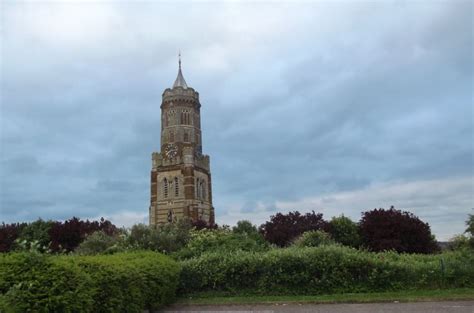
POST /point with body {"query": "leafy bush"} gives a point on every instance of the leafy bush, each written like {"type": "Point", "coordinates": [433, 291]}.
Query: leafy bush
{"type": "Point", "coordinates": [31, 282]}
{"type": "Point", "coordinates": [211, 240]}
{"type": "Point", "coordinates": [8, 234]}
{"type": "Point", "coordinates": [470, 229]}
{"type": "Point", "coordinates": [245, 227]}
{"type": "Point", "coordinates": [396, 230]}
{"type": "Point", "coordinates": [35, 235]}
{"type": "Point", "coordinates": [314, 238]}
{"type": "Point", "coordinates": [123, 282]}
{"type": "Point", "coordinates": [282, 229]}
{"type": "Point", "coordinates": [68, 235]}
{"type": "Point", "coordinates": [165, 238]}
{"type": "Point", "coordinates": [323, 269]}
{"type": "Point", "coordinates": [130, 282]}
{"type": "Point", "coordinates": [97, 242]}
{"type": "Point", "coordinates": [344, 231]}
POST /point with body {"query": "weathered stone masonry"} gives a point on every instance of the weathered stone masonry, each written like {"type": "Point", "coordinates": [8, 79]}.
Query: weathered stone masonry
{"type": "Point", "coordinates": [180, 175]}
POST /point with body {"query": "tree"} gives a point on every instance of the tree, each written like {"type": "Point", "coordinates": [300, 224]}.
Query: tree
{"type": "Point", "coordinates": [283, 228]}
{"type": "Point", "coordinates": [36, 232]}
{"type": "Point", "coordinates": [396, 230]}
{"type": "Point", "coordinates": [200, 224]}
{"type": "Point", "coordinates": [344, 231]}
{"type": "Point", "coordinates": [68, 235]}
{"type": "Point", "coordinates": [8, 234]}
{"type": "Point", "coordinates": [97, 242]}
{"type": "Point", "coordinates": [470, 225]}
{"type": "Point", "coordinates": [245, 227]}
{"type": "Point", "coordinates": [314, 238]}
{"type": "Point", "coordinates": [165, 238]}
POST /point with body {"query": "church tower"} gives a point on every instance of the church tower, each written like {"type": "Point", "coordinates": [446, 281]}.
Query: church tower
{"type": "Point", "coordinates": [180, 174]}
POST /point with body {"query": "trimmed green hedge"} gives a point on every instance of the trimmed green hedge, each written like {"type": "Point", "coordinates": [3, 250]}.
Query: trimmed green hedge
{"type": "Point", "coordinates": [325, 269]}
{"type": "Point", "coordinates": [32, 283]}
{"type": "Point", "coordinates": [123, 282]}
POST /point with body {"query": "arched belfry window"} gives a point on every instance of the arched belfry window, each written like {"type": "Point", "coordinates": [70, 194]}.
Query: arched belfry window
{"type": "Point", "coordinates": [186, 137]}
{"type": "Point", "coordinates": [176, 187]}
{"type": "Point", "coordinates": [165, 188]}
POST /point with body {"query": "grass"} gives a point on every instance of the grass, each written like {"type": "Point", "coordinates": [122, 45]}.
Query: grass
{"type": "Point", "coordinates": [402, 296]}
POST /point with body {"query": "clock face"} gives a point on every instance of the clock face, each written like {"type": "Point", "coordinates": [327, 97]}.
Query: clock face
{"type": "Point", "coordinates": [171, 151]}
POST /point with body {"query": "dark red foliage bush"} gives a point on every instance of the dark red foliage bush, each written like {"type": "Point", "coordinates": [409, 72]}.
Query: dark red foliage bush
{"type": "Point", "coordinates": [200, 224]}
{"type": "Point", "coordinates": [8, 234]}
{"type": "Point", "coordinates": [283, 228]}
{"type": "Point", "coordinates": [68, 235]}
{"type": "Point", "coordinates": [396, 230]}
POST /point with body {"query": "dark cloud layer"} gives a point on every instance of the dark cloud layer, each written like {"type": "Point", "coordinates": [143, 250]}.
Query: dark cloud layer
{"type": "Point", "coordinates": [299, 101]}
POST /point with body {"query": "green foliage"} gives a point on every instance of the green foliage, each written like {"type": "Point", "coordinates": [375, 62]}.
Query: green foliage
{"type": "Point", "coordinates": [165, 238]}
{"type": "Point", "coordinates": [98, 242]}
{"type": "Point", "coordinates": [31, 282]}
{"type": "Point", "coordinates": [245, 227]}
{"type": "Point", "coordinates": [130, 282]}
{"type": "Point", "coordinates": [462, 241]}
{"type": "Point", "coordinates": [222, 239]}
{"type": "Point", "coordinates": [459, 242]}
{"type": "Point", "coordinates": [470, 230]}
{"type": "Point", "coordinates": [324, 269]}
{"type": "Point", "coordinates": [344, 231]}
{"type": "Point", "coordinates": [314, 238]}
{"type": "Point", "coordinates": [123, 282]}
{"type": "Point", "coordinates": [35, 236]}
{"type": "Point", "coordinates": [470, 225]}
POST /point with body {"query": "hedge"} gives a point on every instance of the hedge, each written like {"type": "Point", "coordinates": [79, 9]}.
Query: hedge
{"type": "Point", "coordinates": [32, 283]}
{"type": "Point", "coordinates": [325, 269]}
{"type": "Point", "coordinates": [123, 282]}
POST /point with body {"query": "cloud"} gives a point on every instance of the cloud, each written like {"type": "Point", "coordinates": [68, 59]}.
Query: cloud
{"type": "Point", "coordinates": [443, 203]}
{"type": "Point", "coordinates": [299, 101]}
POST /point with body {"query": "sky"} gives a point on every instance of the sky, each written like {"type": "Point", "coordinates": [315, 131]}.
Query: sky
{"type": "Point", "coordinates": [338, 107]}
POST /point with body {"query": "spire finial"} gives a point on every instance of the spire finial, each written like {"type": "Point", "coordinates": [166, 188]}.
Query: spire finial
{"type": "Point", "coordinates": [180, 82]}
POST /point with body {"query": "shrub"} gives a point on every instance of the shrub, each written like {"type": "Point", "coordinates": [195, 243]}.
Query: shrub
{"type": "Point", "coordinates": [344, 231]}
{"type": "Point", "coordinates": [97, 242]}
{"type": "Point", "coordinates": [283, 228]}
{"type": "Point", "coordinates": [314, 238]}
{"type": "Point", "coordinates": [470, 229]}
{"type": "Point", "coordinates": [123, 282]}
{"type": "Point", "coordinates": [324, 269]}
{"type": "Point", "coordinates": [208, 240]}
{"type": "Point", "coordinates": [396, 230]}
{"type": "Point", "coordinates": [36, 234]}
{"type": "Point", "coordinates": [245, 227]}
{"type": "Point", "coordinates": [8, 234]}
{"type": "Point", "coordinates": [31, 282]}
{"type": "Point", "coordinates": [68, 235]}
{"type": "Point", "coordinates": [130, 282]}
{"type": "Point", "coordinates": [200, 224]}
{"type": "Point", "coordinates": [165, 238]}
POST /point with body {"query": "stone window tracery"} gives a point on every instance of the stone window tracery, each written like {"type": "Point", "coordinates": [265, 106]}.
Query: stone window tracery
{"type": "Point", "coordinates": [176, 187]}
{"type": "Point", "coordinates": [165, 188]}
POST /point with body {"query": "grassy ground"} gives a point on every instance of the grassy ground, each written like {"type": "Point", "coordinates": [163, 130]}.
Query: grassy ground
{"type": "Point", "coordinates": [402, 296]}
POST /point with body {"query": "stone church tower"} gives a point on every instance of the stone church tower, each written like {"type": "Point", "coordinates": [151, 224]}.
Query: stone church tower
{"type": "Point", "coordinates": [180, 174]}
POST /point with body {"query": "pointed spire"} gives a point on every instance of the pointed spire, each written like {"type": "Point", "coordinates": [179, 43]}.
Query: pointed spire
{"type": "Point", "coordinates": [180, 82]}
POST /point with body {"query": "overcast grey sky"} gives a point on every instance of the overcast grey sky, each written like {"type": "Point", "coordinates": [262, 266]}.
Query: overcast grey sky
{"type": "Point", "coordinates": [337, 107]}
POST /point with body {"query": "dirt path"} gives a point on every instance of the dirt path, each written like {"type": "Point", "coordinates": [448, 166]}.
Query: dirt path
{"type": "Point", "coordinates": [413, 307]}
